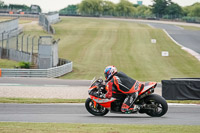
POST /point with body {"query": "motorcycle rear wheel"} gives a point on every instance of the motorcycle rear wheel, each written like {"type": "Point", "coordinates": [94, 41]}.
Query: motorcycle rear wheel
{"type": "Point", "coordinates": [98, 111]}
{"type": "Point", "coordinates": [159, 105]}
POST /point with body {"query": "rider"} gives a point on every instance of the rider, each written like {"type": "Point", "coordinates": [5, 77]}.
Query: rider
{"type": "Point", "coordinates": [120, 82]}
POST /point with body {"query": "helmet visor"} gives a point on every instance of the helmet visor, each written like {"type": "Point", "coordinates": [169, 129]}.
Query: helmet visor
{"type": "Point", "coordinates": [106, 75]}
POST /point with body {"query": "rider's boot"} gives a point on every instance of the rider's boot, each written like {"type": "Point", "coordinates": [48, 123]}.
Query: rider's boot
{"type": "Point", "coordinates": [130, 110]}
{"type": "Point", "coordinates": [134, 108]}
{"type": "Point", "coordinates": [125, 109]}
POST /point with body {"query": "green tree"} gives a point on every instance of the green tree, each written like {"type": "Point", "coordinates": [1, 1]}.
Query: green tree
{"type": "Point", "coordinates": [195, 10]}
{"type": "Point", "coordinates": [143, 11]}
{"type": "Point", "coordinates": [159, 7]}
{"type": "Point", "coordinates": [69, 10]}
{"type": "Point", "coordinates": [17, 7]}
{"type": "Point", "coordinates": [148, 12]}
{"type": "Point", "coordinates": [192, 11]}
{"type": "Point", "coordinates": [186, 10]}
{"type": "Point", "coordinates": [1, 4]}
{"type": "Point", "coordinates": [108, 8]}
{"type": "Point", "coordinates": [173, 9]}
{"type": "Point", "coordinates": [125, 8]}
{"type": "Point", "coordinates": [91, 7]}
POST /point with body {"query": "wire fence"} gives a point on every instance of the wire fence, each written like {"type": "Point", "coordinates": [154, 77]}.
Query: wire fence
{"type": "Point", "coordinates": [22, 42]}
{"type": "Point", "coordinates": [25, 47]}
{"type": "Point", "coordinates": [18, 47]}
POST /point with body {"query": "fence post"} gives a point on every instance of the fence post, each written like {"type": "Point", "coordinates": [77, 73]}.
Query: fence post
{"type": "Point", "coordinates": [27, 42]}
{"type": "Point", "coordinates": [32, 47]}
{"type": "Point", "coordinates": [32, 43]}
{"type": "Point", "coordinates": [7, 45]}
{"type": "Point", "coordinates": [22, 42]}
{"type": "Point", "coordinates": [2, 38]}
{"type": "Point", "coordinates": [38, 43]}
{"type": "Point", "coordinates": [17, 43]}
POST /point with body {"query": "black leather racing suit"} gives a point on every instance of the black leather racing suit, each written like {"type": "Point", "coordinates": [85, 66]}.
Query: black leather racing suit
{"type": "Point", "coordinates": [121, 83]}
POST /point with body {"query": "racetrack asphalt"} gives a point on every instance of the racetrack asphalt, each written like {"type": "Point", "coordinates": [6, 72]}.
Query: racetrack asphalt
{"type": "Point", "coordinates": [76, 113]}
{"type": "Point", "coordinates": [187, 38]}
{"type": "Point", "coordinates": [47, 88]}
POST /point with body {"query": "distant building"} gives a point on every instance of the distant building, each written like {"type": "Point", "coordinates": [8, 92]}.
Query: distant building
{"type": "Point", "coordinates": [35, 9]}
{"type": "Point", "coordinates": [139, 2]}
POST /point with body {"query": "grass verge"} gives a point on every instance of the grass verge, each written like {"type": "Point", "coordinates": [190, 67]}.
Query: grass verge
{"type": "Point", "coordinates": [190, 27]}
{"type": "Point", "coordinates": [96, 43]}
{"type": "Point", "coordinates": [11, 127]}
{"type": "Point", "coordinates": [5, 19]}
{"type": "Point", "coordinates": [52, 100]}
{"type": "Point", "coordinates": [184, 101]}
{"type": "Point", "coordinates": [39, 100]}
{"type": "Point", "coordinates": [4, 63]}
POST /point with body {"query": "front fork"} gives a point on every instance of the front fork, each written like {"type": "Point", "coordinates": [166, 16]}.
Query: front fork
{"type": "Point", "coordinates": [95, 103]}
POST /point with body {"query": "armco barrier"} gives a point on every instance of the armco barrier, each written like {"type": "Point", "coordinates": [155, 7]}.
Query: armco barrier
{"type": "Point", "coordinates": [9, 28]}
{"type": "Point", "coordinates": [50, 73]}
{"type": "Point", "coordinates": [9, 25]}
{"type": "Point", "coordinates": [53, 18]}
{"type": "Point", "coordinates": [46, 20]}
{"type": "Point", "coordinates": [19, 15]}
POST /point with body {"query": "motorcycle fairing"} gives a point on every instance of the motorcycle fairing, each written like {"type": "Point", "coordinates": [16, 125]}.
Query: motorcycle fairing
{"type": "Point", "coordinates": [91, 88]}
{"type": "Point", "coordinates": [103, 102]}
{"type": "Point", "coordinates": [147, 86]}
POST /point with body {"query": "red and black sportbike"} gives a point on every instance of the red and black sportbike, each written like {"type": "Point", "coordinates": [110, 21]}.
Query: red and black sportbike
{"type": "Point", "coordinates": [152, 104]}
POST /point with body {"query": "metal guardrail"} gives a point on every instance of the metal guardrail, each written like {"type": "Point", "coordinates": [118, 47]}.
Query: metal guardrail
{"type": "Point", "coordinates": [50, 72]}
{"type": "Point", "coordinates": [46, 20]}
{"type": "Point", "coordinates": [19, 15]}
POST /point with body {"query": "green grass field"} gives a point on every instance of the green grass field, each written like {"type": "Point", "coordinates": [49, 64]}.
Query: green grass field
{"type": "Point", "coordinates": [190, 27]}
{"type": "Point", "coordinates": [3, 19]}
{"type": "Point", "coordinates": [4, 63]}
{"type": "Point", "coordinates": [39, 100]}
{"type": "Point", "coordinates": [33, 29]}
{"type": "Point", "coordinates": [13, 127]}
{"type": "Point", "coordinates": [21, 21]}
{"type": "Point", "coordinates": [92, 44]}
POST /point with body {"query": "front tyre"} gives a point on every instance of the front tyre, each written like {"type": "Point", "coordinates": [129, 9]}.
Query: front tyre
{"type": "Point", "coordinates": [98, 111]}
{"type": "Point", "coordinates": [157, 104]}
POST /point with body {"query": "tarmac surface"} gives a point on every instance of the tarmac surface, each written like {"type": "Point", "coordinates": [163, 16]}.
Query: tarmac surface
{"type": "Point", "coordinates": [76, 113]}
{"type": "Point", "coordinates": [187, 38]}
{"type": "Point", "coordinates": [47, 88]}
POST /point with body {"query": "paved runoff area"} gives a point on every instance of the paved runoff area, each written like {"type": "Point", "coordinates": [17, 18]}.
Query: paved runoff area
{"type": "Point", "coordinates": [47, 88]}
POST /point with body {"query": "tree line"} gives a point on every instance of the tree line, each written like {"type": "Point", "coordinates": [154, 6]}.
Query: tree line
{"type": "Point", "coordinates": [24, 8]}
{"type": "Point", "coordinates": [159, 9]}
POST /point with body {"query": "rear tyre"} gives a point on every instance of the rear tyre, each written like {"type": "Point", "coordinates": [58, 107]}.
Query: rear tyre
{"type": "Point", "coordinates": [98, 111]}
{"type": "Point", "coordinates": [157, 104]}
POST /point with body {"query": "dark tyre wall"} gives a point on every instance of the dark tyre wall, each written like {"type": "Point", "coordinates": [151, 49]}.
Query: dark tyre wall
{"type": "Point", "coordinates": [181, 89]}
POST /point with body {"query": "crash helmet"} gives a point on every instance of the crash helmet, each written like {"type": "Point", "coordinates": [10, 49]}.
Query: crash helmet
{"type": "Point", "coordinates": [110, 71]}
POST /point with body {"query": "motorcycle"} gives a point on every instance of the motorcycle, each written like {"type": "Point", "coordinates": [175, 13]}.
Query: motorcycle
{"type": "Point", "coordinates": [152, 104]}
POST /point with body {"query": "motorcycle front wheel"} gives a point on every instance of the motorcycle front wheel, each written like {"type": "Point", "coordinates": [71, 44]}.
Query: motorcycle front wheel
{"type": "Point", "coordinates": [157, 104]}
{"type": "Point", "coordinates": [98, 110]}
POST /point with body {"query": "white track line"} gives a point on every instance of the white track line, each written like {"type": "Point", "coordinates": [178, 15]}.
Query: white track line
{"type": "Point", "coordinates": [190, 51]}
